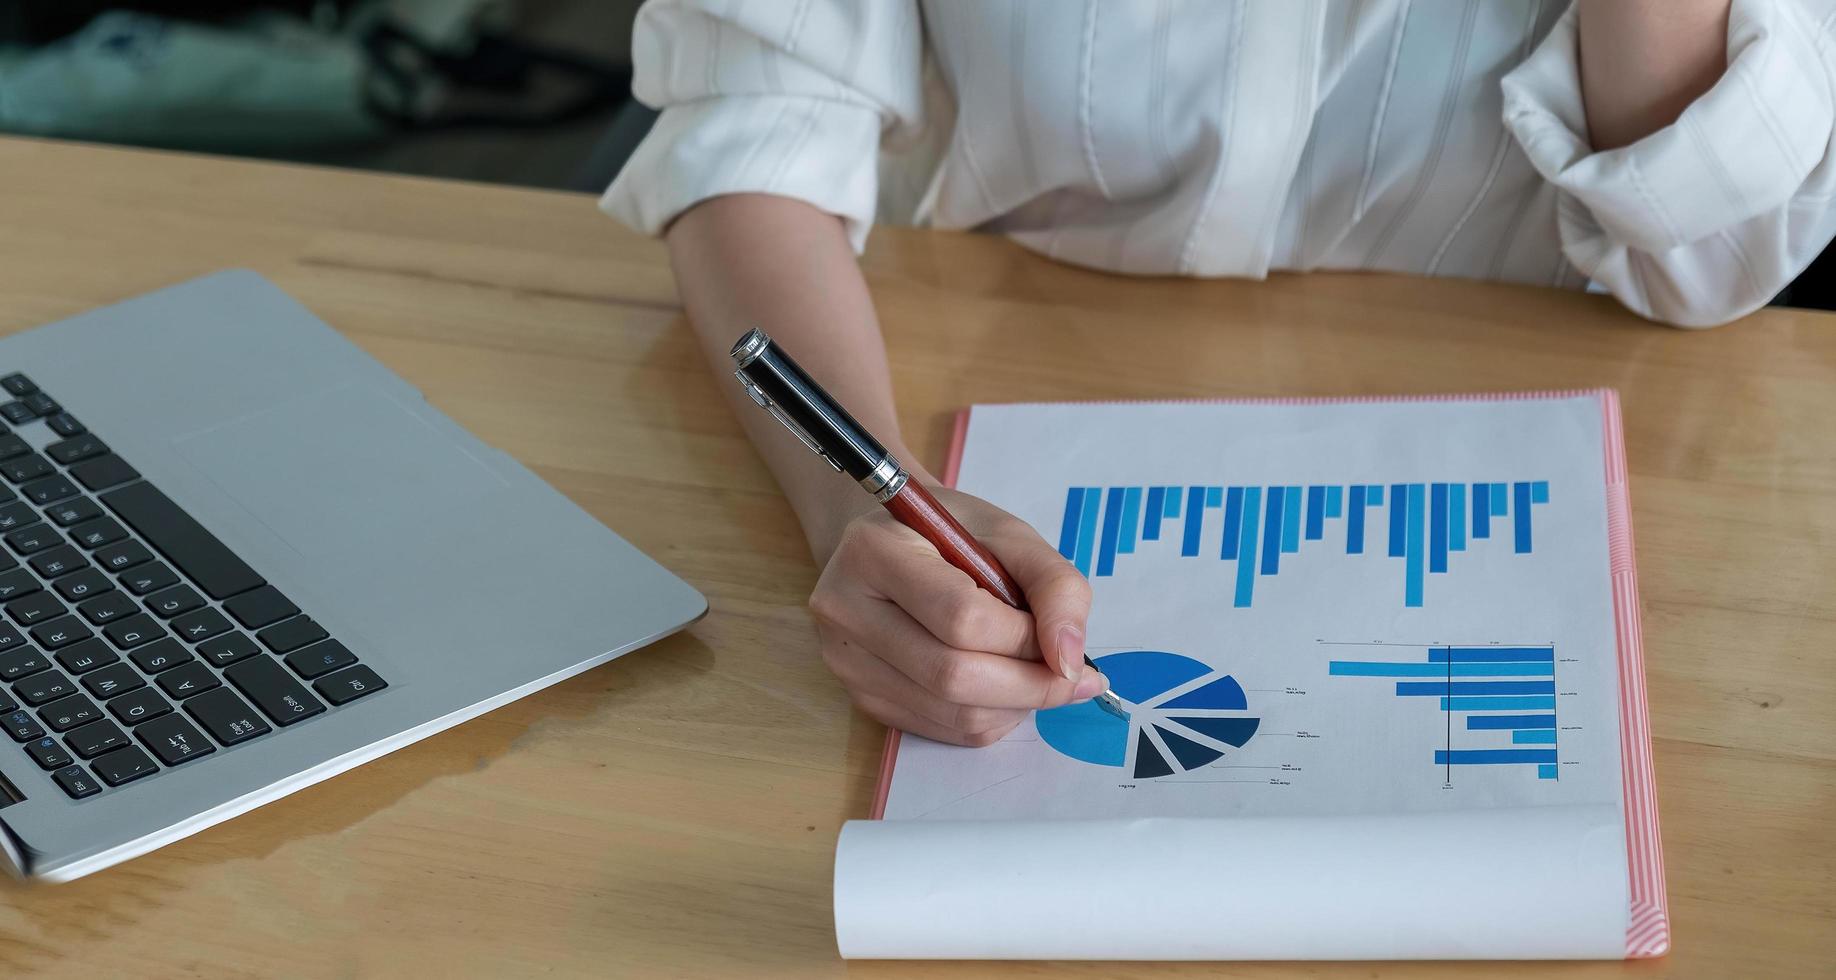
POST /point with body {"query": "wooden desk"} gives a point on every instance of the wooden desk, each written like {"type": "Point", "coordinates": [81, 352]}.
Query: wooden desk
{"type": "Point", "coordinates": [675, 813]}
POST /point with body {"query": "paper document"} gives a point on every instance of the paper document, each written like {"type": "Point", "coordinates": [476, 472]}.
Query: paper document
{"type": "Point", "coordinates": [1386, 698]}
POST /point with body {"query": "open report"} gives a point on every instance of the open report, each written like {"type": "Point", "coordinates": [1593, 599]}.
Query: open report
{"type": "Point", "coordinates": [1382, 668]}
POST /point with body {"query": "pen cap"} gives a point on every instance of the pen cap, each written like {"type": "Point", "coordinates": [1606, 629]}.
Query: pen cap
{"type": "Point", "coordinates": [801, 404]}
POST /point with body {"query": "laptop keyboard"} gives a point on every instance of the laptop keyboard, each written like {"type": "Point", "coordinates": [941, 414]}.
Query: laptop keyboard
{"type": "Point", "coordinates": [133, 640]}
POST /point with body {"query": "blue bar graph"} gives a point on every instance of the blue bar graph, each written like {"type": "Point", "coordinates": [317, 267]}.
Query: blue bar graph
{"type": "Point", "coordinates": [1246, 552]}
{"type": "Point", "coordinates": [1291, 520]}
{"type": "Point", "coordinates": [1271, 540]}
{"type": "Point", "coordinates": [1497, 704]}
{"type": "Point", "coordinates": [1525, 687]}
{"type": "Point", "coordinates": [1131, 519]}
{"type": "Point", "coordinates": [1492, 757]}
{"type": "Point", "coordinates": [1258, 525]}
{"type": "Point", "coordinates": [1112, 531]}
{"type": "Point", "coordinates": [1233, 523]}
{"type": "Point", "coordinates": [1479, 722]}
{"type": "Point", "coordinates": [1354, 522]}
{"type": "Point", "coordinates": [1195, 521]}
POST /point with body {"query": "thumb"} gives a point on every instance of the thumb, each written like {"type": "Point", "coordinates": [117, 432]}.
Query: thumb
{"type": "Point", "coordinates": [1058, 594]}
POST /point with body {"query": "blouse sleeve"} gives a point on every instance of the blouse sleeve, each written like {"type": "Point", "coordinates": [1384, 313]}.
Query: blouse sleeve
{"type": "Point", "coordinates": [1708, 218]}
{"type": "Point", "coordinates": [787, 97]}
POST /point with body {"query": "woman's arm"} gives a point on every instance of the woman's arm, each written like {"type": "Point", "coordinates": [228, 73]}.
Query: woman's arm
{"type": "Point", "coordinates": [755, 260]}
{"type": "Point", "coordinates": [917, 644]}
{"type": "Point", "coordinates": [1644, 61]}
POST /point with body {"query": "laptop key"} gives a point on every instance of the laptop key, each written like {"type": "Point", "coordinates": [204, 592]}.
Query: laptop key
{"type": "Point", "coordinates": [228, 649]}
{"type": "Point", "coordinates": [48, 754]}
{"type": "Point", "coordinates": [61, 560]}
{"type": "Point", "coordinates": [76, 450]}
{"type": "Point", "coordinates": [37, 537]}
{"type": "Point", "coordinates": [67, 713]}
{"type": "Point", "coordinates": [24, 662]}
{"type": "Point", "coordinates": [82, 585]}
{"type": "Point", "coordinates": [95, 738]}
{"type": "Point", "coordinates": [114, 681]}
{"type": "Point", "coordinates": [60, 632]}
{"type": "Point", "coordinates": [174, 740]}
{"type": "Point", "coordinates": [133, 631]}
{"type": "Point", "coordinates": [124, 766]}
{"type": "Point", "coordinates": [21, 726]}
{"type": "Point", "coordinates": [320, 658]}
{"type": "Point", "coordinates": [349, 684]}
{"type": "Point", "coordinates": [19, 469]}
{"type": "Point", "coordinates": [96, 533]}
{"type": "Point", "coordinates": [162, 655]}
{"type": "Point", "coordinates": [16, 412]}
{"type": "Point", "coordinates": [192, 679]}
{"type": "Point", "coordinates": [227, 718]}
{"type": "Point", "coordinates": [104, 472]}
{"type": "Point", "coordinates": [65, 424]}
{"type": "Point", "coordinates": [197, 552]}
{"type": "Point", "coordinates": [7, 704]}
{"type": "Point", "coordinates": [107, 607]}
{"type": "Point", "coordinates": [148, 578]}
{"type": "Point", "coordinates": [42, 687]}
{"type": "Point", "coordinates": [11, 445]}
{"type": "Point", "coordinates": [262, 607]}
{"type": "Point", "coordinates": [77, 781]}
{"type": "Point", "coordinates": [270, 686]}
{"type": "Point", "coordinates": [91, 654]}
{"type": "Point", "coordinates": [18, 385]}
{"type": "Point", "coordinates": [16, 583]}
{"type": "Point", "coordinates": [173, 601]}
{"type": "Point", "coordinates": [38, 607]}
{"type": "Point", "coordinates": [16, 515]}
{"type": "Point", "coordinates": [122, 555]}
{"type": "Point", "coordinates": [75, 511]}
{"type": "Point", "coordinates": [200, 625]}
{"type": "Point", "coordinates": [142, 705]}
{"type": "Point", "coordinates": [48, 490]}
{"type": "Point", "coordinates": [290, 635]}
{"type": "Point", "coordinates": [41, 404]}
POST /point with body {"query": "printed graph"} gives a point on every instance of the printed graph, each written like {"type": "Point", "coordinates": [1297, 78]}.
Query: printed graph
{"type": "Point", "coordinates": [1426, 524]}
{"type": "Point", "coordinates": [1183, 715]}
{"type": "Point", "coordinates": [1499, 702]}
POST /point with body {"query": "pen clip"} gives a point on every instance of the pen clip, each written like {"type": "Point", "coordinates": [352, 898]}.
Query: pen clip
{"type": "Point", "coordinates": [764, 401]}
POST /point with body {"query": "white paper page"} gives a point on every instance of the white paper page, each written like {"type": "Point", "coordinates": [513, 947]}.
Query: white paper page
{"type": "Point", "coordinates": [1312, 682]}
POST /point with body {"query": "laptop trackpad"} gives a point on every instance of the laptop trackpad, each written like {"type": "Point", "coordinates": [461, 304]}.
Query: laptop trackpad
{"type": "Point", "coordinates": [341, 471]}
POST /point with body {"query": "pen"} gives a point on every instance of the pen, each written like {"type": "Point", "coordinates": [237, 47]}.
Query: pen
{"type": "Point", "coordinates": [782, 388]}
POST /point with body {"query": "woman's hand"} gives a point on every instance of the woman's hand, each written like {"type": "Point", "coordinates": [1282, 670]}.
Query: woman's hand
{"type": "Point", "coordinates": [922, 648]}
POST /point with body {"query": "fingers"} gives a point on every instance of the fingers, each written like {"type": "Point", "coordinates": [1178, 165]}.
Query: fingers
{"type": "Point", "coordinates": [905, 569]}
{"type": "Point", "coordinates": [1057, 591]}
{"type": "Point", "coordinates": [866, 675]}
{"type": "Point", "coordinates": [969, 677]}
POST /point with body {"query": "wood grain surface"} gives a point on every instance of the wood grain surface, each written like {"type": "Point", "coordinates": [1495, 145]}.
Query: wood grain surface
{"type": "Point", "coordinates": [674, 813]}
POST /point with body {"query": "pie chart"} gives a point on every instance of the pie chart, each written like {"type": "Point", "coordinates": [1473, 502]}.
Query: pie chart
{"type": "Point", "coordinates": [1183, 715]}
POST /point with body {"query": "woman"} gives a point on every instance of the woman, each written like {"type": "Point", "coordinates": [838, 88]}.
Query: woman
{"type": "Point", "coordinates": [1673, 152]}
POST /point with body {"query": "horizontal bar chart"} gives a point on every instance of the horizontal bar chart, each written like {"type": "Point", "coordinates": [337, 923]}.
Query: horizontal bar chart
{"type": "Point", "coordinates": [1261, 528]}
{"type": "Point", "coordinates": [1509, 715]}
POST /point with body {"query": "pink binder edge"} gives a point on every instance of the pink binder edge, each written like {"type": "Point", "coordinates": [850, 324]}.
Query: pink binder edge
{"type": "Point", "coordinates": [1648, 918]}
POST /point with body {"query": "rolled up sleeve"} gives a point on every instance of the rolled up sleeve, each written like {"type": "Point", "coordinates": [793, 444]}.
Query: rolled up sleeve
{"type": "Point", "coordinates": [1708, 218]}
{"type": "Point", "coordinates": [768, 97]}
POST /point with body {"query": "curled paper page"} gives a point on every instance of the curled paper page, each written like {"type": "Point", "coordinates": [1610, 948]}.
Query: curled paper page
{"type": "Point", "coordinates": [1524, 883]}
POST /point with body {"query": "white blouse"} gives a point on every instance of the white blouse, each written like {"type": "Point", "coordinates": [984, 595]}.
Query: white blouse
{"type": "Point", "coordinates": [1206, 138]}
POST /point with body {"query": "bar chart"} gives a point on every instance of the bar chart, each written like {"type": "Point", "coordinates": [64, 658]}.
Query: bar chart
{"type": "Point", "coordinates": [1499, 702]}
{"type": "Point", "coordinates": [1422, 526]}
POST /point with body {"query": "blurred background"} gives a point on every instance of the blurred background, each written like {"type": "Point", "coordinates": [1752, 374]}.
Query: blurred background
{"type": "Point", "coordinates": [528, 92]}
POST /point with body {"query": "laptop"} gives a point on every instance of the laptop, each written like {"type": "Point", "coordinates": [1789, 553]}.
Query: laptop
{"type": "Point", "coordinates": [239, 556]}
